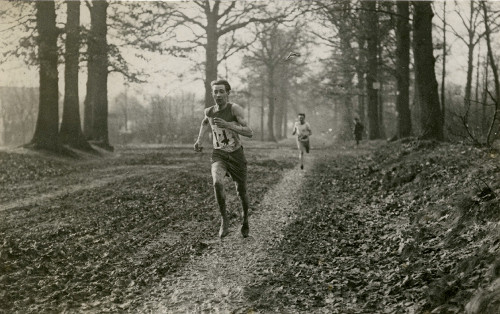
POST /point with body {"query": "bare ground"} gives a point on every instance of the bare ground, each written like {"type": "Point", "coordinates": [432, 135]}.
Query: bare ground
{"type": "Point", "coordinates": [409, 227]}
{"type": "Point", "coordinates": [215, 281]}
{"type": "Point", "coordinates": [98, 234]}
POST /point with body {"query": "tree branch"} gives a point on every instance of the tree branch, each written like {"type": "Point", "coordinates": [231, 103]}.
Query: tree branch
{"type": "Point", "coordinates": [227, 10]}
{"type": "Point", "coordinates": [234, 27]}
{"type": "Point", "coordinates": [183, 16]}
{"type": "Point", "coordinates": [200, 4]}
{"type": "Point", "coordinates": [229, 53]}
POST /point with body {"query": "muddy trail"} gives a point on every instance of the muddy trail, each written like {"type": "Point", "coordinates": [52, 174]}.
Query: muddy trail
{"type": "Point", "coordinates": [380, 228]}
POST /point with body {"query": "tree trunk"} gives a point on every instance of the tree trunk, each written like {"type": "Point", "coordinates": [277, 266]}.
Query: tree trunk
{"type": "Point", "coordinates": [347, 78]}
{"type": "Point", "coordinates": [381, 109]}
{"type": "Point", "coordinates": [285, 118]}
{"type": "Point", "coordinates": [416, 109]}
{"type": "Point", "coordinates": [470, 69]}
{"type": "Point", "coordinates": [484, 98]}
{"type": "Point", "coordinates": [432, 126]}
{"type": "Point", "coordinates": [97, 96]}
{"type": "Point", "coordinates": [380, 95]}
{"type": "Point", "coordinates": [371, 78]}
{"type": "Point", "coordinates": [47, 125]}
{"type": "Point", "coordinates": [476, 93]}
{"type": "Point", "coordinates": [211, 57]}
{"type": "Point", "coordinates": [443, 75]}
{"type": "Point", "coordinates": [90, 97]}
{"type": "Point", "coordinates": [263, 93]}
{"type": "Point", "coordinates": [71, 130]}
{"type": "Point", "coordinates": [346, 107]}
{"type": "Point", "coordinates": [361, 97]}
{"type": "Point", "coordinates": [248, 115]}
{"type": "Point", "coordinates": [470, 57]}
{"type": "Point", "coordinates": [282, 92]}
{"type": "Point", "coordinates": [492, 135]}
{"type": "Point", "coordinates": [125, 107]}
{"type": "Point", "coordinates": [403, 70]}
{"type": "Point", "coordinates": [270, 114]}
{"type": "Point", "coordinates": [278, 121]}
{"type": "Point", "coordinates": [361, 71]}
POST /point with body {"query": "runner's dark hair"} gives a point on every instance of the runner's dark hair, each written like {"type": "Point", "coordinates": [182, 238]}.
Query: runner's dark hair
{"type": "Point", "coordinates": [302, 114]}
{"type": "Point", "coordinates": [221, 82]}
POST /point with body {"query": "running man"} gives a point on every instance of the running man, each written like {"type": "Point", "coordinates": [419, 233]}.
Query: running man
{"type": "Point", "coordinates": [303, 131]}
{"type": "Point", "coordinates": [358, 130]}
{"type": "Point", "coordinates": [227, 122]}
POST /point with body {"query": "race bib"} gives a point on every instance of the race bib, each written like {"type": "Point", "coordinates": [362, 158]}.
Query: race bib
{"type": "Point", "coordinates": [222, 138]}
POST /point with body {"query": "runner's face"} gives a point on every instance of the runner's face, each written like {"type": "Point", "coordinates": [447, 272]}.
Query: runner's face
{"type": "Point", "coordinates": [220, 94]}
{"type": "Point", "coordinates": [301, 118]}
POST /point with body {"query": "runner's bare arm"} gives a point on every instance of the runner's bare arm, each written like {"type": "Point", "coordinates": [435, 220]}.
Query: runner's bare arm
{"type": "Point", "coordinates": [205, 126]}
{"type": "Point", "coordinates": [241, 127]}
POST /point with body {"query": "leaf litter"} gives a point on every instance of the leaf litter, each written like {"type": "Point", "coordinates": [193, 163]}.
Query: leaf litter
{"type": "Point", "coordinates": [406, 227]}
{"type": "Point", "coordinates": [399, 229]}
{"type": "Point", "coordinates": [101, 248]}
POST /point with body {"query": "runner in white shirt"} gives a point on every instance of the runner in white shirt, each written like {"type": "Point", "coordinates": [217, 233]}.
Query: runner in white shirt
{"type": "Point", "coordinates": [303, 131]}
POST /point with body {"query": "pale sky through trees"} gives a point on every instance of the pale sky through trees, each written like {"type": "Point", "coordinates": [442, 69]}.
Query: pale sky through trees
{"type": "Point", "coordinates": [169, 75]}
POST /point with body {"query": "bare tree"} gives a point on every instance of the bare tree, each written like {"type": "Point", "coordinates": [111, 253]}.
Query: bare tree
{"type": "Point", "coordinates": [347, 38]}
{"type": "Point", "coordinates": [403, 69]}
{"type": "Point", "coordinates": [71, 129]}
{"type": "Point", "coordinates": [425, 75]}
{"type": "Point", "coordinates": [95, 125]}
{"type": "Point", "coordinates": [274, 46]}
{"type": "Point", "coordinates": [47, 126]}
{"type": "Point", "coordinates": [371, 33]}
{"type": "Point", "coordinates": [472, 24]}
{"type": "Point", "coordinates": [443, 74]}
{"type": "Point", "coordinates": [491, 137]}
{"type": "Point", "coordinates": [217, 19]}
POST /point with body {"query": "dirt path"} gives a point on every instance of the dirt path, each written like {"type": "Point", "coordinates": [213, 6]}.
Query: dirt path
{"type": "Point", "coordinates": [214, 282]}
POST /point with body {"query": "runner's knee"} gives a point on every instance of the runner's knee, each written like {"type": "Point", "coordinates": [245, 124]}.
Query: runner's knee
{"type": "Point", "coordinates": [218, 173]}
{"type": "Point", "coordinates": [218, 185]}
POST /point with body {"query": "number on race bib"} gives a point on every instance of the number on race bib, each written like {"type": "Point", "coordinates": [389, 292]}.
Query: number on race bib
{"type": "Point", "coordinates": [221, 139]}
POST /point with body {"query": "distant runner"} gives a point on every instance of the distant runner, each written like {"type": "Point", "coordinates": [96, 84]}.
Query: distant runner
{"type": "Point", "coordinates": [358, 130]}
{"type": "Point", "coordinates": [227, 122]}
{"type": "Point", "coordinates": [303, 131]}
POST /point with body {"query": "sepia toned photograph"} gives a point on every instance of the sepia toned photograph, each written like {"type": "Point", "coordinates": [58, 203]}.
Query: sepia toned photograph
{"type": "Point", "coordinates": [250, 156]}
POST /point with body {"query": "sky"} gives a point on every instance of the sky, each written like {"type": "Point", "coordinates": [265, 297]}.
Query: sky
{"type": "Point", "coordinates": [170, 75]}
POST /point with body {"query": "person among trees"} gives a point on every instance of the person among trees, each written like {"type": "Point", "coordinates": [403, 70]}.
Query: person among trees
{"type": "Point", "coordinates": [303, 131]}
{"type": "Point", "coordinates": [358, 130]}
{"type": "Point", "coordinates": [227, 122]}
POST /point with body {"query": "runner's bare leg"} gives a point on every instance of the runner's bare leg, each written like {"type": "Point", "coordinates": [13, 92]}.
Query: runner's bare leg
{"type": "Point", "coordinates": [242, 193]}
{"type": "Point", "coordinates": [218, 173]}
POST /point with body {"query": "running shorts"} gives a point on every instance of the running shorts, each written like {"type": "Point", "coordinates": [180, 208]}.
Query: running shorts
{"type": "Point", "coordinates": [235, 163]}
{"type": "Point", "coordinates": [303, 145]}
